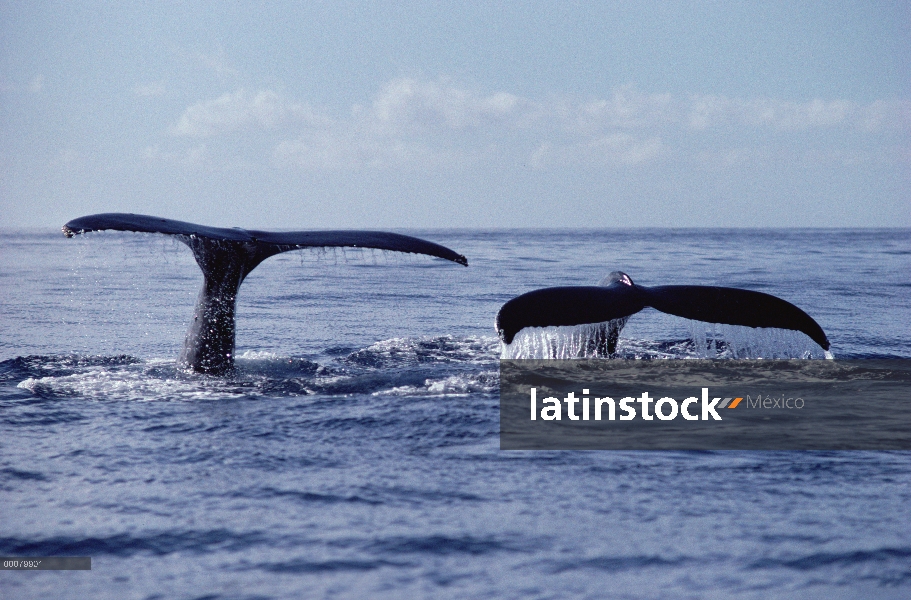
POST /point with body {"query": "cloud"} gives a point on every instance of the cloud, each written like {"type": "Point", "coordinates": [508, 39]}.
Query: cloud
{"type": "Point", "coordinates": [627, 108]}
{"type": "Point", "coordinates": [409, 122]}
{"type": "Point", "coordinates": [883, 114]}
{"type": "Point", "coordinates": [216, 63]}
{"type": "Point", "coordinates": [240, 110]}
{"type": "Point", "coordinates": [413, 122]}
{"type": "Point", "coordinates": [715, 111]}
{"type": "Point", "coordinates": [416, 105]}
{"type": "Point", "coordinates": [706, 112]}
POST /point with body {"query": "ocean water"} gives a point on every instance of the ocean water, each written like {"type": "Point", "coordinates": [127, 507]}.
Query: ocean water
{"type": "Point", "coordinates": [355, 452]}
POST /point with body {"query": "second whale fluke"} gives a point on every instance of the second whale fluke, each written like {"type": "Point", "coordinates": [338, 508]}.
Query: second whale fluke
{"type": "Point", "coordinates": [618, 298]}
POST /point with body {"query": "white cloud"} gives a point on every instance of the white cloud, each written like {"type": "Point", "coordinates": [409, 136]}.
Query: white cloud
{"type": "Point", "coordinates": [240, 110]}
{"type": "Point", "coordinates": [437, 123]}
{"type": "Point", "coordinates": [413, 104]}
{"type": "Point", "coordinates": [627, 108]}
{"type": "Point", "coordinates": [719, 111]}
{"type": "Point", "coordinates": [216, 63]}
{"type": "Point", "coordinates": [791, 115]}
{"type": "Point", "coordinates": [882, 114]}
{"type": "Point", "coordinates": [705, 111]}
{"type": "Point", "coordinates": [409, 123]}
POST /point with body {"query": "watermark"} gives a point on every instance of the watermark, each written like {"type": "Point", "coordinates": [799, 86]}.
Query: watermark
{"type": "Point", "coordinates": [705, 404]}
{"type": "Point", "coordinates": [45, 563]}
{"type": "Point", "coordinates": [552, 409]}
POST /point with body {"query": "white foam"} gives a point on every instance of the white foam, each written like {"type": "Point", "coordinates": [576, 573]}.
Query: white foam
{"type": "Point", "coordinates": [451, 386]}
{"type": "Point", "coordinates": [434, 349]}
{"type": "Point", "coordinates": [137, 383]}
{"type": "Point", "coordinates": [706, 340]}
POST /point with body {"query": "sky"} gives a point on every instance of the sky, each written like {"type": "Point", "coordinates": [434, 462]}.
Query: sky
{"type": "Point", "coordinates": [347, 114]}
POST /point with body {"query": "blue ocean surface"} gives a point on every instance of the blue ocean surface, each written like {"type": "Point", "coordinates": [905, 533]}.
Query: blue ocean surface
{"type": "Point", "coordinates": [355, 451]}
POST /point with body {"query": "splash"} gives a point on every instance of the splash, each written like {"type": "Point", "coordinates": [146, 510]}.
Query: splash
{"type": "Point", "coordinates": [577, 341]}
{"type": "Point", "coordinates": [398, 352]}
{"type": "Point", "coordinates": [427, 367]}
{"type": "Point", "coordinates": [139, 382]}
{"type": "Point", "coordinates": [460, 385]}
{"type": "Point", "coordinates": [715, 340]}
{"type": "Point", "coordinates": [706, 340]}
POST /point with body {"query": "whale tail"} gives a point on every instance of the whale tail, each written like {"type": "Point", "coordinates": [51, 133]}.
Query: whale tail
{"type": "Point", "coordinates": [733, 306]}
{"type": "Point", "coordinates": [617, 298]}
{"type": "Point", "coordinates": [226, 257]}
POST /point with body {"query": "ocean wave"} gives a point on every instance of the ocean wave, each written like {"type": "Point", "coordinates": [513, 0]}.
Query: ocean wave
{"type": "Point", "coordinates": [36, 366]}
{"type": "Point", "coordinates": [409, 351]}
{"type": "Point", "coordinates": [463, 384]}
{"type": "Point", "coordinates": [158, 543]}
{"type": "Point", "coordinates": [399, 366]}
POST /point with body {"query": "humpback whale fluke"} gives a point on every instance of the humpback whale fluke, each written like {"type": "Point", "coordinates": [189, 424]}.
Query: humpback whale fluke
{"type": "Point", "coordinates": [618, 297]}
{"type": "Point", "coordinates": [226, 257]}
